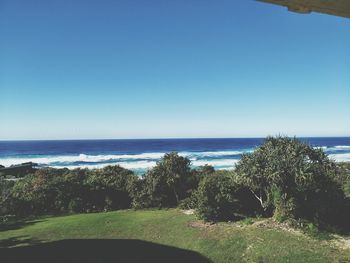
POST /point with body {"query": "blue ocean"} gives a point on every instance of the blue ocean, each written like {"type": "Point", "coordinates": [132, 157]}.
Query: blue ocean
{"type": "Point", "coordinates": [142, 154]}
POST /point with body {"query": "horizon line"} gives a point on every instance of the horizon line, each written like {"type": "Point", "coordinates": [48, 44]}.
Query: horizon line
{"type": "Point", "coordinates": [169, 138]}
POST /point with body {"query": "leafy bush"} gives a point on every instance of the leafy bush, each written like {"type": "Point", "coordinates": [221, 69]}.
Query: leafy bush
{"type": "Point", "coordinates": [216, 198]}
{"type": "Point", "coordinates": [37, 193]}
{"type": "Point", "coordinates": [76, 205]}
{"type": "Point", "coordinates": [292, 180]}
{"type": "Point", "coordinates": [170, 181]}
{"type": "Point", "coordinates": [140, 192]}
{"type": "Point", "coordinates": [108, 188]}
{"type": "Point", "coordinates": [342, 177]}
{"type": "Point", "coordinates": [221, 197]}
{"type": "Point", "coordinates": [62, 190]}
{"type": "Point", "coordinates": [5, 195]}
{"type": "Point", "coordinates": [190, 202]}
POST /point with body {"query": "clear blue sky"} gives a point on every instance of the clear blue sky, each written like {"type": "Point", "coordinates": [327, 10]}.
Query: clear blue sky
{"type": "Point", "coordinates": [164, 68]}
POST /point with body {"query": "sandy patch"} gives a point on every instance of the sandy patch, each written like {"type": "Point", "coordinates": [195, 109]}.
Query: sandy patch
{"type": "Point", "coordinates": [188, 212]}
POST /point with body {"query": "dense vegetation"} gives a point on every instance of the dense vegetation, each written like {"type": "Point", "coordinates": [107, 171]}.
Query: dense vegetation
{"type": "Point", "coordinates": [283, 178]}
{"type": "Point", "coordinates": [293, 180]}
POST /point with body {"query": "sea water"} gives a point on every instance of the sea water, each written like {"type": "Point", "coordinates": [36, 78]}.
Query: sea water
{"type": "Point", "coordinates": [142, 154]}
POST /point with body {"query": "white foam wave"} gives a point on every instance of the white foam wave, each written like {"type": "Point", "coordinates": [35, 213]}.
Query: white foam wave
{"type": "Point", "coordinates": [230, 163]}
{"type": "Point", "coordinates": [343, 157]}
{"type": "Point", "coordinates": [224, 163]}
{"type": "Point", "coordinates": [342, 147]}
{"type": "Point", "coordinates": [127, 161]}
{"type": "Point", "coordinates": [144, 165]}
{"type": "Point", "coordinates": [128, 165]}
{"type": "Point", "coordinates": [71, 159]}
{"type": "Point", "coordinates": [78, 158]}
{"type": "Point", "coordinates": [145, 160]}
{"type": "Point", "coordinates": [338, 147]}
{"type": "Point", "coordinates": [219, 153]}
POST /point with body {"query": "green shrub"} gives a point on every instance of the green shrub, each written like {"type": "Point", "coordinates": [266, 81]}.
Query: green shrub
{"type": "Point", "coordinates": [292, 180]}
{"type": "Point", "coordinates": [76, 205]}
{"type": "Point", "coordinates": [170, 181]}
{"type": "Point", "coordinates": [216, 198]}
{"type": "Point", "coordinates": [108, 188]}
{"type": "Point", "coordinates": [190, 202]}
{"type": "Point", "coordinates": [5, 196]}
{"type": "Point", "coordinates": [139, 191]}
{"type": "Point", "coordinates": [62, 190]}
{"type": "Point", "coordinates": [343, 177]}
{"type": "Point", "coordinates": [40, 193]}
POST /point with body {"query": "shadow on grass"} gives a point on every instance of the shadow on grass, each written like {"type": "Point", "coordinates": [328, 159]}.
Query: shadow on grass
{"type": "Point", "coordinates": [17, 241]}
{"type": "Point", "coordinates": [97, 250]}
{"type": "Point", "coordinates": [17, 225]}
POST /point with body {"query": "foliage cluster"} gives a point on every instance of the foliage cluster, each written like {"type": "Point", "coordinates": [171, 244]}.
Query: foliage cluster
{"type": "Point", "coordinates": [291, 179]}
{"type": "Point", "coordinates": [61, 190]}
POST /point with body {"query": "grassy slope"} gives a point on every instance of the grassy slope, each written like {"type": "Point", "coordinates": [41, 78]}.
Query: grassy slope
{"type": "Point", "coordinates": [221, 243]}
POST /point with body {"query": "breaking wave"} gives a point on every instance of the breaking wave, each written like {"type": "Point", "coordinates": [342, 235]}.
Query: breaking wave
{"type": "Point", "coordinates": [130, 161]}
{"type": "Point", "coordinates": [143, 161]}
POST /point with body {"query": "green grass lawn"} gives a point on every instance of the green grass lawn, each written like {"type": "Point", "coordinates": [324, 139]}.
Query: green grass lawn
{"type": "Point", "coordinates": [224, 242]}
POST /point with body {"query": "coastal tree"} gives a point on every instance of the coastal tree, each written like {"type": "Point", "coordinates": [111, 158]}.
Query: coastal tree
{"type": "Point", "coordinates": [171, 180]}
{"type": "Point", "coordinates": [216, 198]}
{"type": "Point", "coordinates": [220, 197]}
{"type": "Point", "coordinates": [41, 192]}
{"type": "Point", "coordinates": [108, 187]}
{"type": "Point", "coordinates": [291, 179]}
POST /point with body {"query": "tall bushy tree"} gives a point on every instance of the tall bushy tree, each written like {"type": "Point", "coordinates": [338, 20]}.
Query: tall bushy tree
{"type": "Point", "coordinates": [108, 187]}
{"type": "Point", "coordinates": [220, 197]}
{"type": "Point", "coordinates": [291, 179]}
{"type": "Point", "coordinates": [170, 181]}
{"type": "Point", "coordinates": [141, 193]}
{"type": "Point", "coordinates": [38, 193]}
{"type": "Point", "coordinates": [216, 197]}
